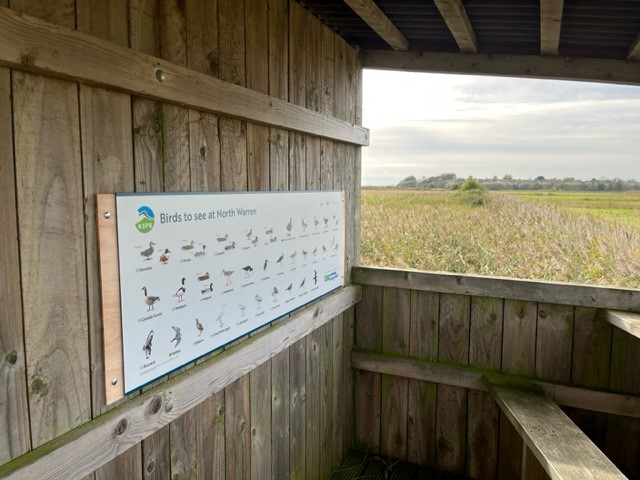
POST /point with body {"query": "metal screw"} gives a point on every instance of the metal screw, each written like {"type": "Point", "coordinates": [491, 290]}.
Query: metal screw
{"type": "Point", "coordinates": [160, 76]}
{"type": "Point", "coordinates": [168, 406]}
{"type": "Point", "coordinates": [107, 214]}
{"type": "Point", "coordinates": [114, 381]}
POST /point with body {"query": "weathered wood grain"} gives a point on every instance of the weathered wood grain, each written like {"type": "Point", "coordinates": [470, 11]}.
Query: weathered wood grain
{"type": "Point", "coordinates": [562, 449]}
{"type": "Point", "coordinates": [14, 409]}
{"type": "Point", "coordinates": [280, 412]}
{"type": "Point", "coordinates": [629, 322]}
{"type": "Point", "coordinates": [554, 338]}
{"type": "Point", "coordinates": [379, 22]}
{"type": "Point", "coordinates": [507, 288]}
{"type": "Point", "coordinates": [260, 417]}
{"type": "Point", "coordinates": [297, 409]}
{"type": "Point", "coordinates": [312, 406]}
{"type": "Point", "coordinates": [67, 54]}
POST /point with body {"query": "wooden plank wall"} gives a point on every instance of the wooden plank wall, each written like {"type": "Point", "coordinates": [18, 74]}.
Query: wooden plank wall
{"type": "Point", "coordinates": [63, 142]}
{"type": "Point", "coordinates": [461, 430]}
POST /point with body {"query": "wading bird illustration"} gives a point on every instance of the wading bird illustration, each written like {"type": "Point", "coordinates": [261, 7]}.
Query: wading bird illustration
{"type": "Point", "coordinates": [315, 222]}
{"type": "Point", "coordinates": [177, 337]}
{"type": "Point", "coordinates": [289, 226]}
{"type": "Point", "coordinates": [149, 299]}
{"type": "Point", "coordinates": [304, 225]}
{"type": "Point", "coordinates": [222, 238]}
{"type": "Point", "coordinates": [146, 253]}
{"type": "Point", "coordinates": [189, 246]}
{"type": "Point", "coordinates": [199, 327]}
{"type": "Point", "coordinates": [289, 288]}
{"type": "Point", "coordinates": [219, 318]}
{"type": "Point", "coordinates": [280, 258]}
{"type": "Point", "coordinates": [258, 299]}
{"type": "Point", "coordinates": [227, 275]}
{"type": "Point", "coordinates": [242, 309]}
{"type": "Point", "coordinates": [293, 257]}
{"type": "Point", "coordinates": [164, 258]}
{"type": "Point", "coordinates": [208, 289]}
{"type": "Point", "coordinates": [147, 344]}
{"type": "Point", "coordinates": [315, 250]}
{"type": "Point", "coordinates": [266, 262]}
{"type": "Point", "coordinates": [181, 291]}
{"type": "Point", "coordinates": [302, 283]}
{"type": "Point", "coordinates": [274, 294]}
{"type": "Point", "coordinates": [324, 250]}
{"type": "Point", "coordinates": [248, 270]}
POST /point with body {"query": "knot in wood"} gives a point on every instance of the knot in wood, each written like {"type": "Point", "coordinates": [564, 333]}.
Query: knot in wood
{"type": "Point", "coordinates": [12, 357]}
{"type": "Point", "coordinates": [122, 426]}
{"type": "Point", "coordinates": [155, 404]}
{"type": "Point", "coordinates": [542, 314]}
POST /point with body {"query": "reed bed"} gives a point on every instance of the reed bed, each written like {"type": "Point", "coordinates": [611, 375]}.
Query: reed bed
{"type": "Point", "coordinates": [510, 237]}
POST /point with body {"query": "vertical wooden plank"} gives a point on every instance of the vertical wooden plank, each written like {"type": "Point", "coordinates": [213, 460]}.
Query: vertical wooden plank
{"type": "Point", "coordinates": [297, 402]}
{"type": "Point", "coordinates": [421, 410]}
{"type": "Point", "coordinates": [485, 348]}
{"type": "Point", "coordinates": [368, 336]}
{"type": "Point", "coordinates": [233, 133]}
{"type": "Point", "coordinates": [622, 442]}
{"type": "Point", "coordinates": [313, 68]}
{"type": "Point", "coordinates": [14, 409]}
{"type": "Point", "coordinates": [518, 357]}
{"type": "Point", "coordinates": [453, 347]}
{"type": "Point", "coordinates": [297, 92]}
{"type": "Point", "coordinates": [312, 414]}
{"type": "Point", "coordinates": [237, 428]}
{"type": "Point", "coordinates": [280, 416]}
{"type": "Point", "coordinates": [396, 323]}
{"type": "Point", "coordinates": [340, 89]}
{"type": "Point", "coordinates": [202, 56]}
{"type": "Point", "coordinates": [531, 468]}
{"type": "Point", "coordinates": [554, 339]}
{"type": "Point", "coordinates": [261, 439]}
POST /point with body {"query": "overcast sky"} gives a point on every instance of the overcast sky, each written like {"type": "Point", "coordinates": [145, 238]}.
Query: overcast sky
{"type": "Point", "coordinates": [427, 124]}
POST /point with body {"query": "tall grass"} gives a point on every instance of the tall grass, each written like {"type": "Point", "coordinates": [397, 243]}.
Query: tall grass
{"type": "Point", "coordinates": [509, 236]}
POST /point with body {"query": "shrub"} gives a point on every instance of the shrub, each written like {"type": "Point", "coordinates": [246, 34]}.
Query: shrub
{"type": "Point", "coordinates": [472, 192]}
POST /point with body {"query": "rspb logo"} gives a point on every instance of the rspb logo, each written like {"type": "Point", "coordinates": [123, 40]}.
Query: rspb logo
{"type": "Point", "coordinates": [147, 219]}
{"type": "Point", "coordinates": [330, 276]}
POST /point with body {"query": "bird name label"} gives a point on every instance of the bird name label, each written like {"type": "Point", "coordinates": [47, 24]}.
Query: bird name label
{"type": "Point", "coordinates": [199, 270]}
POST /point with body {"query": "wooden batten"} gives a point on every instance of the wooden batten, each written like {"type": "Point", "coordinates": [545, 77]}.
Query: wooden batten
{"type": "Point", "coordinates": [30, 44]}
{"type": "Point", "coordinates": [628, 322]}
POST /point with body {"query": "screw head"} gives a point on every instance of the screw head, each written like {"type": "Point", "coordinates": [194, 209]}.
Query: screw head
{"type": "Point", "coordinates": [107, 214]}
{"type": "Point", "coordinates": [160, 75]}
{"type": "Point", "coordinates": [114, 381]}
{"type": "Point", "coordinates": [168, 406]}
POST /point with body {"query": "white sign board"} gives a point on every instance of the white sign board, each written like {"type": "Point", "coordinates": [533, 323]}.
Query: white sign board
{"type": "Point", "coordinates": [200, 270]}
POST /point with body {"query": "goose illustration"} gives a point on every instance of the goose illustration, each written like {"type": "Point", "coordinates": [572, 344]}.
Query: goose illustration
{"type": "Point", "coordinates": [231, 246]}
{"type": "Point", "coordinates": [181, 291]}
{"type": "Point", "coordinates": [227, 275]}
{"type": "Point", "coordinates": [177, 335]}
{"type": "Point", "coordinates": [315, 277]}
{"type": "Point", "coordinates": [219, 318]}
{"type": "Point", "coordinates": [280, 258]}
{"type": "Point", "coordinates": [146, 253]}
{"type": "Point", "coordinates": [203, 277]}
{"type": "Point", "coordinates": [164, 258]}
{"type": "Point", "coordinates": [208, 289]}
{"type": "Point", "coordinates": [248, 270]}
{"type": "Point", "coordinates": [222, 238]}
{"type": "Point", "coordinates": [289, 226]}
{"type": "Point", "coordinates": [289, 288]}
{"type": "Point", "coordinates": [149, 299]}
{"type": "Point", "coordinates": [258, 299]}
{"type": "Point", "coordinates": [302, 283]}
{"type": "Point", "coordinates": [266, 262]}
{"type": "Point", "coordinates": [199, 327]}
{"type": "Point", "coordinates": [201, 252]}
{"type": "Point", "coordinates": [146, 348]}
{"type": "Point", "coordinates": [274, 294]}
{"type": "Point", "coordinates": [242, 309]}
{"type": "Point", "coordinates": [189, 246]}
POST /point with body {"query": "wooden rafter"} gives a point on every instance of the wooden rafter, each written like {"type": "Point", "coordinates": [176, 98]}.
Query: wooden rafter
{"type": "Point", "coordinates": [550, 25]}
{"type": "Point", "coordinates": [379, 22]}
{"type": "Point", "coordinates": [634, 51]}
{"type": "Point", "coordinates": [455, 16]}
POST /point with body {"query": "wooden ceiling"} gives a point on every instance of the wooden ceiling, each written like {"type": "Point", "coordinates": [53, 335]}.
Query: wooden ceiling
{"type": "Point", "coordinates": [582, 39]}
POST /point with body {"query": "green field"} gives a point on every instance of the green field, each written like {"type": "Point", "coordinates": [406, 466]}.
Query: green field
{"type": "Point", "coordinates": [581, 237]}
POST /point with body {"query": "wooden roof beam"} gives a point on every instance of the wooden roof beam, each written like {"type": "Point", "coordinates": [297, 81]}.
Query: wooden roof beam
{"type": "Point", "coordinates": [550, 25]}
{"type": "Point", "coordinates": [634, 51]}
{"type": "Point", "coordinates": [379, 22]}
{"type": "Point", "coordinates": [456, 18]}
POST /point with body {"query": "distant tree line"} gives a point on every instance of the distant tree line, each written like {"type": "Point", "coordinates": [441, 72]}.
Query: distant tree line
{"type": "Point", "coordinates": [451, 181]}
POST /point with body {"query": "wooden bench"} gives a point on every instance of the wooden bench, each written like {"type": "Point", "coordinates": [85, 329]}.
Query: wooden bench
{"type": "Point", "coordinates": [562, 449]}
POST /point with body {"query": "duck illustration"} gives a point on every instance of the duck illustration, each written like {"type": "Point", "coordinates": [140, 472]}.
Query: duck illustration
{"type": "Point", "coordinates": [250, 233]}
{"type": "Point", "coordinates": [199, 327]}
{"type": "Point", "coordinates": [231, 246]}
{"type": "Point", "coordinates": [227, 275]}
{"type": "Point", "coordinates": [248, 270]}
{"type": "Point", "coordinates": [208, 289]}
{"type": "Point", "coordinates": [146, 253]}
{"type": "Point", "coordinates": [181, 291]}
{"type": "Point", "coordinates": [254, 242]}
{"type": "Point", "coordinates": [273, 239]}
{"type": "Point", "coordinates": [219, 318]}
{"type": "Point", "coordinates": [203, 277]}
{"type": "Point", "coordinates": [269, 231]}
{"type": "Point", "coordinates": [177, 337]}
{"type": "Point", "coordinates": [164, 258]}
{"type": "Point", "coordinates": [146, 348]}
{"type": "Point", "coordinates": [222, 238]}
{"type": "Point", "coordinates": [315, 277]}
{"type": "Point", "coordinates": [289, 288]}
{"type": "Point", "coordinates": [289, 226]}
{"type": "Point", "coordinates": [201, 252]}
{"type": "Point", "coordinates": [189, 246]}
{"type": "Point", "coordinates": [149, 299]}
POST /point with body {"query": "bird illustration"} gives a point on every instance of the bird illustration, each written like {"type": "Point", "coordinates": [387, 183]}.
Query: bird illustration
{"type": "Point", "coordinates": [293, 256]}
{"type": "Point", "coordinates": [324, 250]}
{"type": "Point", "coordinates": [227, 275]}
{"type": "Point", "coordinates": [231, 246]}
{"type": "Point", "coordinates": [315, 277]}
{"type": "Point", "coordinates": [269, 231]}
{"type": "Point", "coordinates": [289, 288]}
{"type": "Point", "coordinates": [302, 283]}
{"type": "Point", "coordinates": [248, 270]}
{"type": "Point", "coordinates": [315, 222]}
{"type": "Point", "coordinates": [315, 250]}
{"type": "Point", "coordinates": [189, 246]}
{"type": "Point", "coordinates": [164, 258]}
{"type": "Point", "coordinates": [199, 327]}
{"type": "Point", "coordinates": [201, 252]}
{"type": "Point", "coordinates": [274, 294]}
{"type": "Point", "coordinates": [203, 277]}
{"type": "Point", "coordinates": [146, 253]}
{"type": "Point", "coordinates": [208, 289]}
{"type": "Point", "coordinates": [177, 337]}
{"type": "Point", "coordinates": [266, 262]}
{"type": "Point", "coordinates": [258, 299]}
{"type": "Point", "coordinates": [280, 258]}
{"type": "Point", "coordinates": [250, 233]}
{"type": "Point", "coordinates": [304, 225]}
{"type": "Point", "coordinates": [181, 291]}
{"type": "Point", "coordinates": [222, 238]}
{"type": "Point", "coordinates": [149, 299]}
{"type": "Point", "coordinates": [273, 239]}
{"type": "Point", "coordinates": [242, 309]}
{"type": "Point", "coordinates": [304, 253]}
{"type": "Point", "coordinates": [255, 241]}
{"type": "Point", "coordinates": [335, 218]}
{"type": "Point", "coordinates": [219, 318]}
{"type": "Point", "coordinates": [326, 221]}
{"type": "Point", "coordinates": [289, 226]}
{"type": "Point", "coordinates": [147, 345]}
